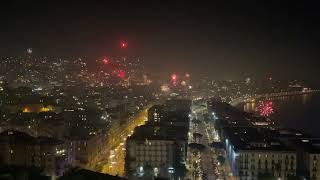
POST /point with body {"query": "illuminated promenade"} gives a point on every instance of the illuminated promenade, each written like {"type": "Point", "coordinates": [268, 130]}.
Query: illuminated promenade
{"type": "Point", "coordinates": [271, 95]}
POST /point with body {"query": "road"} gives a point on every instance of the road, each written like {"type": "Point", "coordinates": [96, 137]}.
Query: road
{"type": "Point", "coordinates": [112, 160]}
{"type": "Point", "coordinates": [201, 164]}
{"type": "Point", "coordinates": [204, 164]}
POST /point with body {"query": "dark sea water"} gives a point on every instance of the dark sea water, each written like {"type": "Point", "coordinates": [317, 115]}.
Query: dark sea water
{"type": "Point", "coordinates": [300, 112]}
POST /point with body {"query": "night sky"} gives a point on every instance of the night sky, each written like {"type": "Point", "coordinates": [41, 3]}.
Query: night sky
{"type": "Point", "coordinates": [221, 39]}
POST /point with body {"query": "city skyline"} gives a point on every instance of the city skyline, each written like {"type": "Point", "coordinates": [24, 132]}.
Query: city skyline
{"type": "Point", "coordinates": [150, 90]}
{"type": "Point", "coordinates": [222, 40]}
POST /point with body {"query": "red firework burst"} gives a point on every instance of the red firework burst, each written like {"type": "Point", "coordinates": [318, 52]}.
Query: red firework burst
{"type": "Point", "coordinates": [266, 108]}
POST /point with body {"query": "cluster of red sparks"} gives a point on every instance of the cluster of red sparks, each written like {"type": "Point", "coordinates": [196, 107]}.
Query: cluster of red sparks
{"type": "Point", "coordinates": [174, 76]}
{"type": "Point", "coordinates": [119, 72]}
{"type": "Point", "coordinates": [266, 108]}
{"type": "Point", "coordinates": [183, 82]}
{"type": "Point", "coordinates": [105, 61]}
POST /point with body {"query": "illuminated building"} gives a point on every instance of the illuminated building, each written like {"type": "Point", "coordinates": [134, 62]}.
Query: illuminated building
{"type": "Point", "coordinates": [171, 113]}
{"type": "Point", "coordinates": [252, 153]}
{"type": "Point", "coordinates": [165, 88]}
{"type": "Point", "coordinates": [156, 114]}
{"type": "Point", "coordinates": [26, 110]}
{"type": "Point", "coordinates": [32, 108]}
{"type": "Point", "coordinates": [156, 151]}
{"type": "Point", "coordinates": [178, 105]}
{"type": "Point", "coordinates": [313, 165]}
{"type": "Point", "coordinates": [254, 150]}
{"type": "Point", "coordinates": [46, 109]}
{"type": "Point", "coordinates": [80, 150]}
{"type": "Point", "coordinates": [309, 156]}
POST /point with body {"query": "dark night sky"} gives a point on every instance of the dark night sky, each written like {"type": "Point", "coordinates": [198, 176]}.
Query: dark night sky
{"type": "Point", "coordinates": [222, 39]}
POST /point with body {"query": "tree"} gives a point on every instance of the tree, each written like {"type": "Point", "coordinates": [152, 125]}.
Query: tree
{"type": "Point", "coordinates": [221, 159]}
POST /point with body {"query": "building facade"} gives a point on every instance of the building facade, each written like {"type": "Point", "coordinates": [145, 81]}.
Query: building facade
{"type": "Point", "coordinates": [20, 149]}
{"type": "Point", "coordinates": [253, 164]}
{"type": "Point", "coordinates": [156, 152]}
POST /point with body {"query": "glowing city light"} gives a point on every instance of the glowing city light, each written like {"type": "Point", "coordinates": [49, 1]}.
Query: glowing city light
{"type": "Point", "coordinates": [165, 88]}
{"type": "Point", "coordinates": [29, 50]}
{"type": "Point", "coordinates": [248, 80]}
{"type": "Point", "coordinates": [266, 108]}
{"type": "Point", "coordinates": [26, 110]}
{"type": "Point", "coordinates": [187, 75]}
{"type": "Point", "coordinates": [46, 109]}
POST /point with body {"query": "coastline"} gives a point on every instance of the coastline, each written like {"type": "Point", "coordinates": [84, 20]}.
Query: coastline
{"type": "Point", "coordinates": [253, 98]}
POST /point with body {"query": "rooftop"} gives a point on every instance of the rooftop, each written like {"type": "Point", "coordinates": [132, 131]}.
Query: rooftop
{"type": "Point", "coordinates": [24, 138]}
{"type": "Point", "coordinates": [161, 132]}
{"type": "Point", "coordinates": [250, 138]}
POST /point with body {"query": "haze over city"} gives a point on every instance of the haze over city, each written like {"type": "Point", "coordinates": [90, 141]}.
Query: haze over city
{"type": "Point", "coordinates": [159, 90]}
{"type": "Point", "coordinates": [224, 40]}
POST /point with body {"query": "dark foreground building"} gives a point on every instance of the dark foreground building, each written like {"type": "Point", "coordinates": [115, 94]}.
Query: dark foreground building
{"type": "Point", "coordinates": [159, 148]}
{"type": "Point", "coordinates": [23, 150]}
{"type": "Point", "coordinates": [82, 174]}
